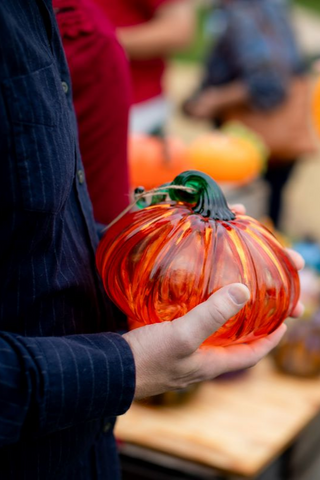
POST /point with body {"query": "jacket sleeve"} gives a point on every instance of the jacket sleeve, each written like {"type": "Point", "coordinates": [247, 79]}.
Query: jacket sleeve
{"type": "Point", "coordinates": [256, 62]}
{"type": "Point", "coordinates": [51, 383]}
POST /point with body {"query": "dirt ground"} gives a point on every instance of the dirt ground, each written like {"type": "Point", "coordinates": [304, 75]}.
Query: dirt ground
{"type": "Point", "coordinates": [301, 216]}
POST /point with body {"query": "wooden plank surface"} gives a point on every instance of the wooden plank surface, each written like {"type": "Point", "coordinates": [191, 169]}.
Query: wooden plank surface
{"type": "Point", "coordinates": [238, 425]}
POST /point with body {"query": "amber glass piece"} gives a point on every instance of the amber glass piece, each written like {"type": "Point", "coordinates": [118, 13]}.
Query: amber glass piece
{"type": "Point", "coordinates": [158, 263]}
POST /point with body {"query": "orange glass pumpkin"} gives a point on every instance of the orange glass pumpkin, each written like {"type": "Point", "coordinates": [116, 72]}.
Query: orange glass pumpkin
{"type": "Point", "coordinates": [233, 154]}
{"type": "Point", "coordinates": [154, 161]}
{"type": "Point", "coordinates": [158, 263]}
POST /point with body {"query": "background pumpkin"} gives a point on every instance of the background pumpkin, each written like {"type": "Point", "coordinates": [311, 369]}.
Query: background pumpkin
{"type": "Point", "coordinates": [232, 154]}
{"type": "Point", "coordinates": [154, 161]}
{"type": "Point", "coordinates": [160, 262]}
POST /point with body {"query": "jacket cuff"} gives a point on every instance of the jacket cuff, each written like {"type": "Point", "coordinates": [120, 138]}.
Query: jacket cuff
{"type": "Point", "coordinates": [83, 378]}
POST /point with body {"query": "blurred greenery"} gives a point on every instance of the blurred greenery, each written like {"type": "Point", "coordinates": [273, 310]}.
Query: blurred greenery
{"type": "Point", "coordinates": [197, 51]}
{"type": "Point", "coordinates": [310, 4]}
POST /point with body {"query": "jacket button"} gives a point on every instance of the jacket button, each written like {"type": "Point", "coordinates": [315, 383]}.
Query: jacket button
{"type": "Point", "coordinates": [106, 427]}
{"type": "Point", "coordinates": [65, 87]}
{"type": "Point", "coordinates": [80, 175]}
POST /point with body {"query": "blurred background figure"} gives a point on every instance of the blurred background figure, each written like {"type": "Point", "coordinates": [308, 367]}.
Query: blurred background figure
{"type": "Point", "coordinates": [150, 31]}
{"type": "Point", "coordinates": [101, 83]}
{"type": "Point", "coordinates": [255, 73]}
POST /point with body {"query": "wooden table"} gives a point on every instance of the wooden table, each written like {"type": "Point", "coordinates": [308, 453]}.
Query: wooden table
{"type": "Point", "coordinates": [237, 426]}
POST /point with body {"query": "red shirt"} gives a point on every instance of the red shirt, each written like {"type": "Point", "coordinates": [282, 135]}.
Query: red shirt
{"type": "Point", "coordinates": [101, 95]}
{"type": "Point", "coordinates": [146, 75]}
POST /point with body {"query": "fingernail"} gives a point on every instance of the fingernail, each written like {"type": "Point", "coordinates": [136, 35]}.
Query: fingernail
{"type": "Point", "coordinates": [239, 294]}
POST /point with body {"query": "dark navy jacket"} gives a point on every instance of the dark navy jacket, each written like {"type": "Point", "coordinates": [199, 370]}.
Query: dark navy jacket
{"type": "Point", "coordinates": [61, 381]}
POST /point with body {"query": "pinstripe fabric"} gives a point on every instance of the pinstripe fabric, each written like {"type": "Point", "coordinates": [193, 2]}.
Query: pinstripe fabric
{"type": "Point", "coordinates": [60, 380]}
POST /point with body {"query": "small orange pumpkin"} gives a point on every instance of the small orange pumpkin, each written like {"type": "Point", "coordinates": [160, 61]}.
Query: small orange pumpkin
{"type": "Point", "coordinates": [154, 161]}
{"type": "Point", "coordinates": [233, 154]}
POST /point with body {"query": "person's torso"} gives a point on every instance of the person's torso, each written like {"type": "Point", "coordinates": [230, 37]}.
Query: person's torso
{"type": "Point", "coordinates": [102, 97]}
{"type": "Point", "coordinates": [48, 234]}
{"type": "Point", "coordinates": [146, 74]}
{"type": "Point", "coordinates": [48, 281]}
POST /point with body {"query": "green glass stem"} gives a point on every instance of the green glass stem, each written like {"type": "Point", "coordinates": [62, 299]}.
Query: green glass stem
{"type": "Point", "coordinates": [208, 199]}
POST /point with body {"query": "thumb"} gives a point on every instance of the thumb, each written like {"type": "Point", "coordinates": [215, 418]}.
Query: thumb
{"type": "Point", "coordinates": [205, 319]}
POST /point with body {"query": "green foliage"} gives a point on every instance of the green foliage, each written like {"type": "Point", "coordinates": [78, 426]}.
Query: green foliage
{"type": "Point", "coordinates": [196, 52]}
{"type": "Point", "coordinates": [310, 4]}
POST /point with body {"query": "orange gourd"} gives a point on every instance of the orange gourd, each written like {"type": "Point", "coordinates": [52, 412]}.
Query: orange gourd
{"type": "Point", "coordinates": [154, 161]}
{"type": "Point", "coordinates": [158, 263]}
{"type": "Point", "coordinates": [233, 154]}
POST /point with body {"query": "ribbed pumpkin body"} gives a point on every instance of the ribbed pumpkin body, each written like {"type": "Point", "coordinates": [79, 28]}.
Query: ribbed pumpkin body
{"type": "Point", "coordinates": [160, 262]}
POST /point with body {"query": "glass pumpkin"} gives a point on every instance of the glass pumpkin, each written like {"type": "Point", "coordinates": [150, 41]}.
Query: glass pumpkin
{"type": "Point", "coordinates": [160, 262]}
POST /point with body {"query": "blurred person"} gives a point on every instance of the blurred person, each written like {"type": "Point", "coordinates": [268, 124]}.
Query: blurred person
{"type": "Point", "coordinates": [249, 77]}
{"type": "Point", "coordinates": [65, 375]}
{"type": "Point", "coordinates": [101, 84]}
{"type": "Point", "coordinates": [150, 31]}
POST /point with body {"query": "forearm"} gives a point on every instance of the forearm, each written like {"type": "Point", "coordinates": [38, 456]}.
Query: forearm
{"type": "Point", "coordinates": [264, 90]}
{"type": "Point", "coordinates": [231, 95]}
{"type": "Point", "coordinates": [213, 101]}
{"type": "Point", "coordinates": [170, 30]}
{"type": "Point", "coordinates": [50, 383]}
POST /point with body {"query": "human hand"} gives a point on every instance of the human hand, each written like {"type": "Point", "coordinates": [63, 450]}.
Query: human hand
{"type": "Point", "coordinates": [298, 262]}
{"type": "Point", "coordinates": [167, 355]}
{"type": "Point", "coordinates": [204, 105]}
